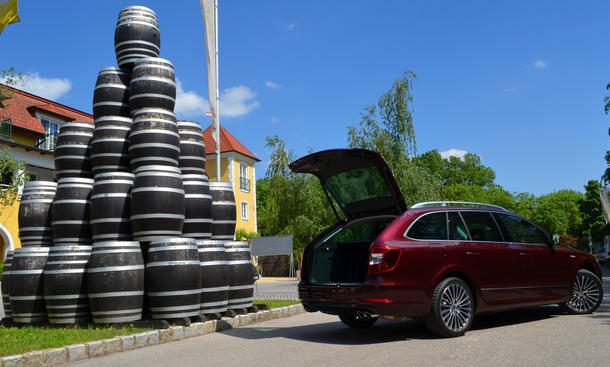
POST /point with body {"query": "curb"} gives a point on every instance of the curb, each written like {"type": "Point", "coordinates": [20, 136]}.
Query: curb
{"type": "Point", "coordinates": [87, 350]}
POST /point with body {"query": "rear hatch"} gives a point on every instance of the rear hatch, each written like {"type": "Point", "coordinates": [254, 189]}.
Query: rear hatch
{"type": "Point", "coordinates": [361, 184]}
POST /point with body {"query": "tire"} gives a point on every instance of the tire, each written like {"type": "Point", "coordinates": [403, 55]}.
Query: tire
{"type": "Point", "coordinates": [587, 294]}
{"type": "Point", "coordinates": [357, 322]}
{"type": "Point", "coordinates": [452, 308]}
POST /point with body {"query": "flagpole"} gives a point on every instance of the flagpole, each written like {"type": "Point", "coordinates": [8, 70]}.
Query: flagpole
{"type": "Point", "coordinates": [217, 117]}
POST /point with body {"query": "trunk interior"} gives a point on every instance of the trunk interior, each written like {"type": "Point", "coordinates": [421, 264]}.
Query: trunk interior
{"type": "Point", "coordinates": [342, 257]}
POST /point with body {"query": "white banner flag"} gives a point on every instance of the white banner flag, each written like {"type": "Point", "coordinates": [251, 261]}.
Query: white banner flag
{"type": "Point", "coordinates": [207, 8]}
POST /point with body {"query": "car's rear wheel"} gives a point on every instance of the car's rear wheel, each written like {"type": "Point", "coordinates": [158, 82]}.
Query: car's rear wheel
{"type": "Point", "coordinates": [587, 294]}
{"type": "Point", "coordinates": [452, 308]}
{"type": "Point", "coordinates": [357, 322]}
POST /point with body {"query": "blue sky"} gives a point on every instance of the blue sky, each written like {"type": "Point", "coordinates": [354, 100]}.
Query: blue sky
{"type": "Point", "coordinates": [519, 83]}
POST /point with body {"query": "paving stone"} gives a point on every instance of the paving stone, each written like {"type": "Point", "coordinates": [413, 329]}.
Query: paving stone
{"type": "Point", "coordinates": [189, 331]}
{"type": "Point", "coordinates": [243, 320]}
{"type": "Point", "coordinates": [33, 359]}
{"type": "Point", "coordinates": [209, 327]}
{"type": "Point", "coordinates": [153, 337]}
{"type": "Point", "coordinates": [177, 332]}
{"type": "Point", "coordinates": [128, 342]}
{"type": "Point", "coordinates": [164, 335]}
{"type": "Point", "coordinates": [112, 345]}
{"type": "Point", "coordinates": [76, 352]}
{"type": "Point", "coordinates": [260, 316]}
{"type": "Point", "coordinates": [251, 317]}
{"type": "Point", "coordinates": [55, 356]}
{"type": "Point", "coordinates": [12, 361]}
{"type": "Point", "coordinates": [95, 348]}
{"type": "Point", "coordinates": [267, 315]}
{"type": "Point", "coordinates": [141, 340]}
{"type": "Point", "coordinates": [198, 326]}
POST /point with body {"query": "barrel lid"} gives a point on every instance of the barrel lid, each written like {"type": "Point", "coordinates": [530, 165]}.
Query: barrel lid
{"type": "Point", "coordinates": [144, 60]}
{"type": "Point", "coordinates": [103, 244]}
{"type": "Point", "coordinates": [236, 244]}
{"type": "Point", "coordinates": [172, 240]}
{"type": "Point", "coordinates": [83, 180]}
{"type": "Point", "coordinates": [102, 176]}
{"type": "Point", "coordinates": [162, 168]}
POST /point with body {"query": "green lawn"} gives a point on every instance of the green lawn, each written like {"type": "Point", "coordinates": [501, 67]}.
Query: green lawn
{"type": "Point", "coordinates": [20, 340]}
{"type": "Point", "coordinates": [274, 303]}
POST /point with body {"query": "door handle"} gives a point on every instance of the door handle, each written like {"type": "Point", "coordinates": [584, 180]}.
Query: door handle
{"type": "Point", "coordinates": [472, 254]}
{"type": "Point", "coordinates": [525, 254]}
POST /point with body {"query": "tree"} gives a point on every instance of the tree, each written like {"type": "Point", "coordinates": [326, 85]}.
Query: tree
{"type": "Point", "coordinates": [387, 128]}
{"type": "Point", "coordinates": [12, 176]}
{"type": "Point", "coordinates": [10, 78]}
{"type": "Point", "coordinates": [280, 157]}
{"type": "Point", "coordinates": [455, 170]}
{"type": "Point", "coordinates": [591, 208]}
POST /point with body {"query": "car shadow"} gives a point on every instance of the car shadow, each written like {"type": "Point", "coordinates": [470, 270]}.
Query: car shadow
{"type": "Point", "coordinates": [384, 330]}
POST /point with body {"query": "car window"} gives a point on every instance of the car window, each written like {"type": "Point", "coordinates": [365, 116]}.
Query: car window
{"type": "Point", "coordinates": [429, 227]}
{"type": "Point", "coordinates": [457, 228]}
{"type": "Point", "coordinates": [482, 226]}
{"type": "Point", "coordinates": [360, 231]}
{"type": "Point", "coordinates": [521, 230]}
{"type": "Point", "coordinates": [357, 185]}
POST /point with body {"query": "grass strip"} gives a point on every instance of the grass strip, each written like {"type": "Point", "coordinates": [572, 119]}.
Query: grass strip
{"type": "Point", "coordinates": [21, 340]}
{"type": "Point", "coordinates": [275, 303]}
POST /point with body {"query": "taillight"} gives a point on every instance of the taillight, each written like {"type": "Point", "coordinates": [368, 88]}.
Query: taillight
{"type": "Point", "coordinates": [383, 259]}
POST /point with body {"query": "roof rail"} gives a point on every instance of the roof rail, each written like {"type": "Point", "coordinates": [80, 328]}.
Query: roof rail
{"type": "Point", "coordinates": [445, 203]}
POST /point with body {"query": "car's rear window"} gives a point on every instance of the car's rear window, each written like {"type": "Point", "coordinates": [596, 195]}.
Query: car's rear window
{"type": "Point", "coordinates": [482, 226]}
{"type": "Point", "coordinates": [429, 227]}
{"type": "Point", "coordinates": [357, 185]}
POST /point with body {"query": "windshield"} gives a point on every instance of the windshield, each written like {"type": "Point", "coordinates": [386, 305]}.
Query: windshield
{"type": "Point", "coordinates": [357, 185]}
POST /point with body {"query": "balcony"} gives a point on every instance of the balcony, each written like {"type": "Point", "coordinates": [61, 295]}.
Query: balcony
{"type": "Point", "coordinates": [244, 184]}
{"type": "Point", "coordinates": [6, 127]}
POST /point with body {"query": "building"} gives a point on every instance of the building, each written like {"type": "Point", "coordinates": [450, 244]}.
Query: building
{"type": "Point", "coordinates": [28, 129]}
{"type": "Point", "coordinates": [237, 167]}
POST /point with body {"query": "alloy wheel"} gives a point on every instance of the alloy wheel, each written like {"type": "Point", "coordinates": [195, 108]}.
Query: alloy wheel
{"type": "Point", "coordinates": [585, 294]}
{"type": "Point", "coordinates": [455, 307]}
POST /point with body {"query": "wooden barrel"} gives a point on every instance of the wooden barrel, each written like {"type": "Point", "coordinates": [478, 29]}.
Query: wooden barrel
{"type": "Point", "coordinates": [109, 210]}
{"type": "Point", "coordinates": [224, 211]}
{"type": "Point", "coordinates": [198, 207]}
{"type": "Point", "coordinates": [65, 284]}
{"type": "Point", "coordinates": [192, 148]}
{"type": "Point", "coordinates": [241, 284]}
{"type": "Point", "coordinates": [35, 213]}
{"type": "Point", "coordinates": [157, 203]}
{"type": "Point", "coordinates": [25, 285]}
{"type": "Point", "coordinates": [153, 140]}
{"type": "Point", "coordinates": [70, 211]}
{"type": "Point", "coordinates": [136, 35]}
{"type": "Point", "coordinates": [173, 278]}
{"type": "Point", "coordinates": [214, 276]}
{"type": "Point", "coordinates": [72, 152]}
{"type": "Point", "coordinates": [111, 93]}
{"type": "Point", "coordinates": [6, 273]}
{"type": "Point", "coordinates": [110, 144]}
{"type": "Point", "coordinates": [152, 84]}
{"type": "Point", "coordinates": [115, 281]}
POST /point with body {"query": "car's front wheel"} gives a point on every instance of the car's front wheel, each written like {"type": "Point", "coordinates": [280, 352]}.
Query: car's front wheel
{"type": "Point", "coordinates": [452, 308]}
{"type": "Point", "coordinates": [357, 322]}
{"type": "Point", "coordinates": [587, 294]}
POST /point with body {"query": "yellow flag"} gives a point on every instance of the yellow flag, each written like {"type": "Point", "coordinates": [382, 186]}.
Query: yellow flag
{"type": "Point", "coordinates": [8, 13]}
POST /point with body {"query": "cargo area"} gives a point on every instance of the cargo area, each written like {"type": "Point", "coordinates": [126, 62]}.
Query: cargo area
{"type": "Point", "coordinates": [342, 256]}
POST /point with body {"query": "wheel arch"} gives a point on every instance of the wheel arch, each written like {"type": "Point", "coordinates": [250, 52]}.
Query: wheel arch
{"type": "Point", "coordinates": [592, 268]}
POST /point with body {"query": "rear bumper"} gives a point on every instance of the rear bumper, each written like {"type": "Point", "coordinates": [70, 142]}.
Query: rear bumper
{"type": "Point", "coordinates": [378, 300]}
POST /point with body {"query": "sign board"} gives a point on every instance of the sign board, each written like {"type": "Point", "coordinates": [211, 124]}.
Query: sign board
{"type": "Point", "coordinates": [272, 245]}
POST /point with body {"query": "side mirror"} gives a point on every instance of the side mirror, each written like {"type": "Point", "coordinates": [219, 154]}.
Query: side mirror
{"type": "Point", "coordinates": [556, 238]}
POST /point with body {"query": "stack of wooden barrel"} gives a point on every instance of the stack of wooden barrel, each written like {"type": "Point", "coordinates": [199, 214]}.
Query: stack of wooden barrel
{"type": "Point", "coordinates": [132, 218]}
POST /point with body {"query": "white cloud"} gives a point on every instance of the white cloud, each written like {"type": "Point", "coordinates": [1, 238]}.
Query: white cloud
{"type": "Point", "coordinates": [291, 26]}
{"type": "Point", "coordinates": [272, 85]}
{"type": "Point", "coordinates": [454, 153]}
{"type": "Point", "coordinates": [540, 64]}
{"type": "Point", "coordinates": [509, 90]}
{"type": "Point", "coordinates": [50, 88]}
{"type": "Point", "coordinates": [189, 103]}
{"type": "Point", "coordinates": [234, 102]}
{"type": "Point", "coordinates": [237, 101]}
{"type": "Point", "coordinates": [274, 119]}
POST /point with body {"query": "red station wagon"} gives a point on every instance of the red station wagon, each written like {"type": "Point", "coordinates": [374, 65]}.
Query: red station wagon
{"type": "Point", "coordinates": [442, 262]}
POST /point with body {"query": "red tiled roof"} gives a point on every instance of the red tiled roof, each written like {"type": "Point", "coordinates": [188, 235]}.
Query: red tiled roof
{"type": "Point", "coordinates": [22, 109]}
{"type": "Point", "coordinates": [228, 143]}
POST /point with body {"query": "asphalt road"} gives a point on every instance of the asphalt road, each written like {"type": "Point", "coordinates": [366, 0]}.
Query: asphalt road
{"type": "Point", "coordinates": [540, 336]}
